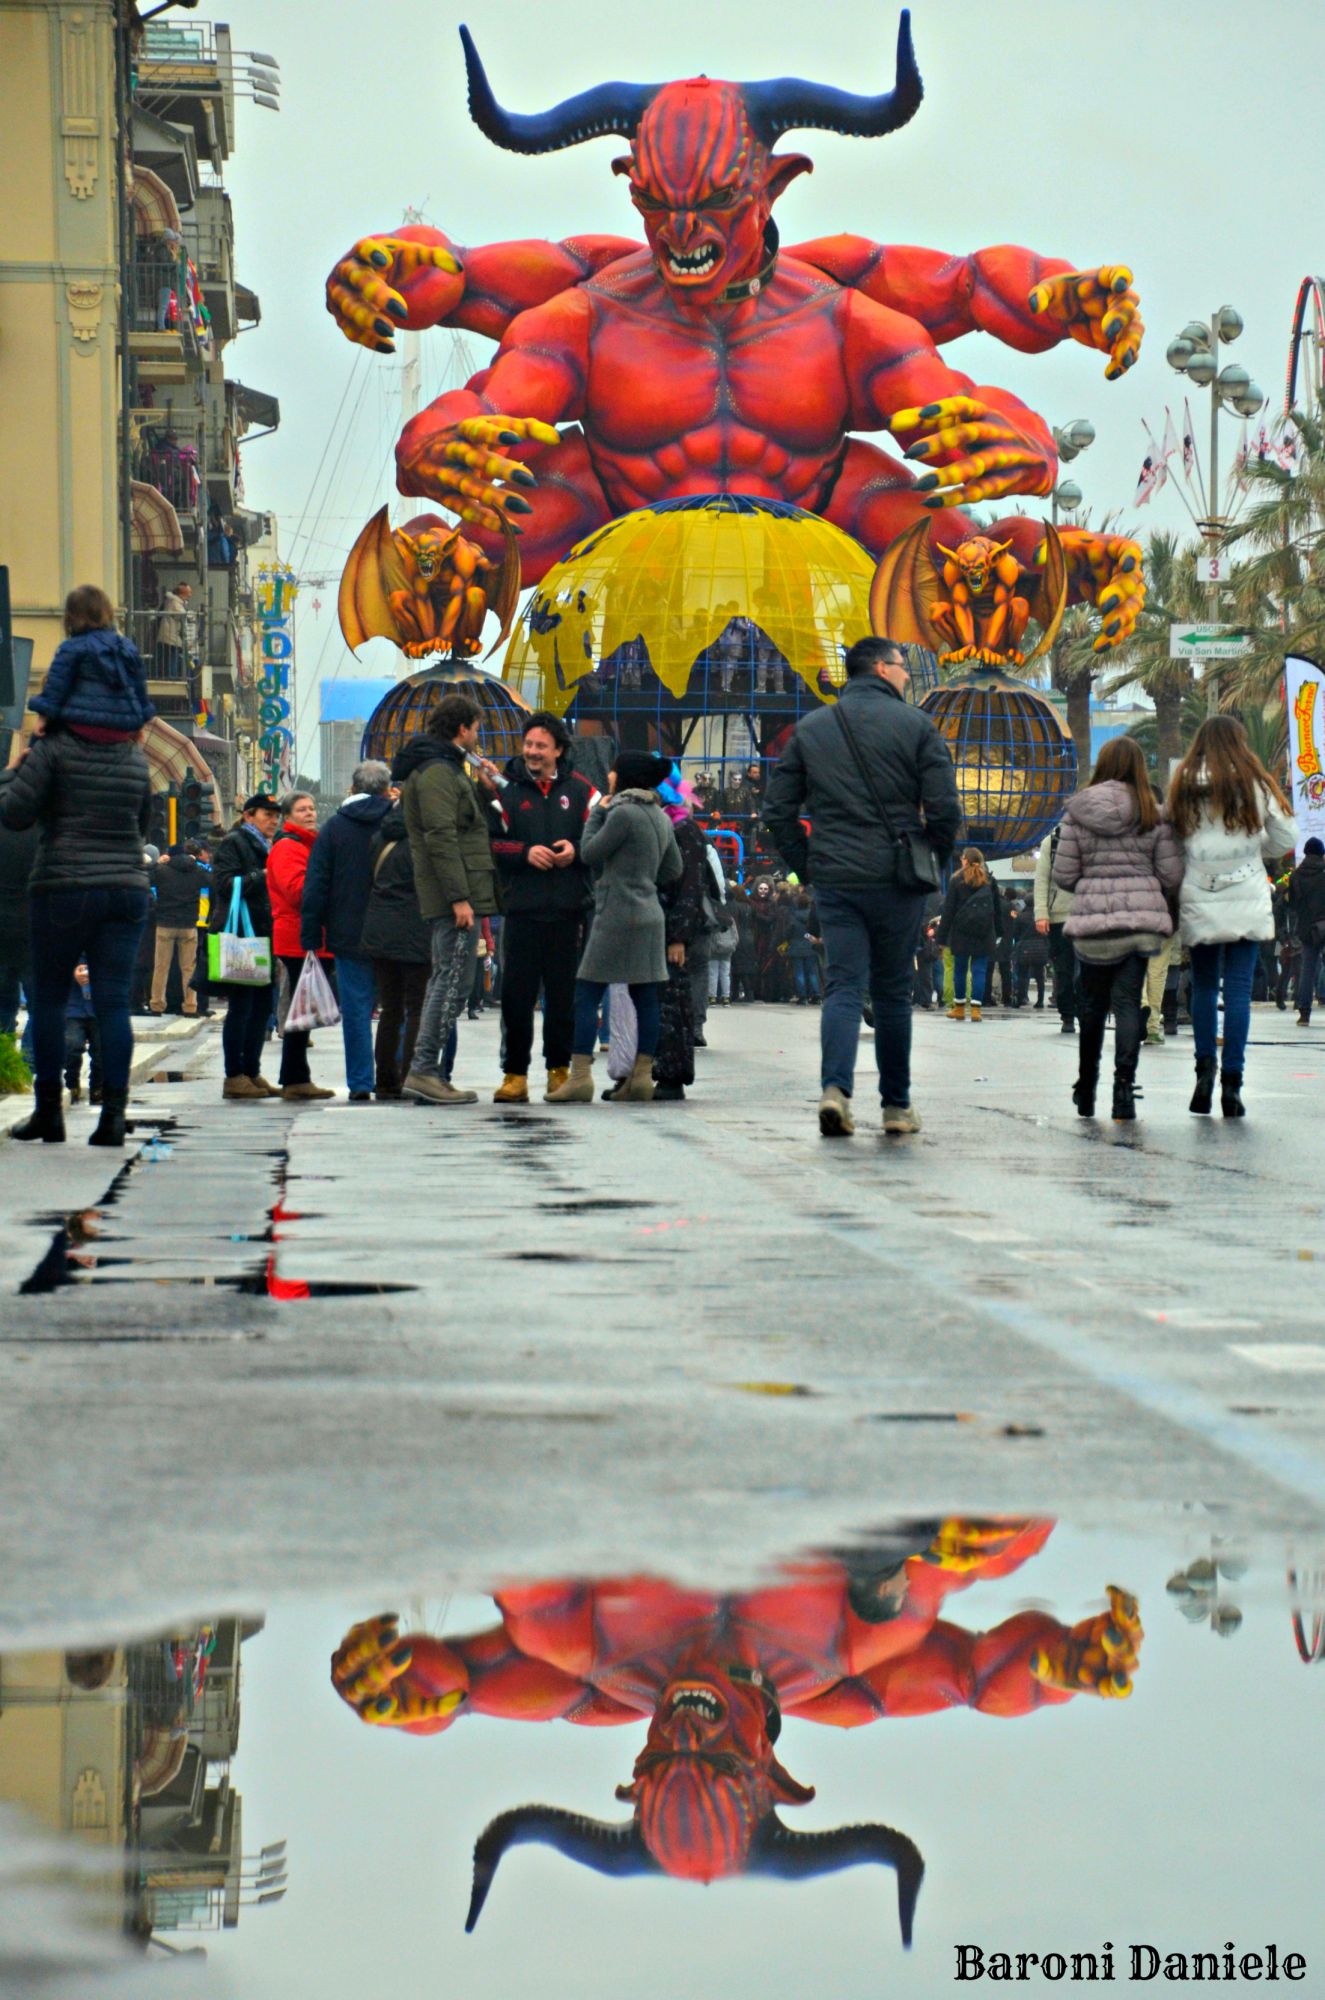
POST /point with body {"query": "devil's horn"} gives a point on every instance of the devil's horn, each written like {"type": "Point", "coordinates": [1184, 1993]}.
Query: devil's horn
{"type": "Point", "coordinates": [609, 107]}
{"type": "Point", "coordinates": [612, 1850]}
{"type": "Point", "coordinates": [786, 104]}
{"type": "Point", "coordinates": [779, 1850]}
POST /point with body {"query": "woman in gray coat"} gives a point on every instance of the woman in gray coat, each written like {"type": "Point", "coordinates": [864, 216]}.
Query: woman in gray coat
{"type": "Point", "coordinates": [1121, 857]}
{"type": "Point", "coordinates": [631, 850]}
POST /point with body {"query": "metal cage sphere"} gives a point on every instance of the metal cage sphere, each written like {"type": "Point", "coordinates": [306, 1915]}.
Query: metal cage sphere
{"type": "Point", "coordinates": [404, 712]}
{"type": "Point", "coordinates": [1016, 763]}
{"type": "Point", "coordinates": [702, 627]}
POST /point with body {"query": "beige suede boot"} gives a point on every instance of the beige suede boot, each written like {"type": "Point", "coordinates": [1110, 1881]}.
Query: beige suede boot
{"type": "Point", "coordinates": [638, 1086]}
{"type": "Point", "coordinates": [578, 1089]}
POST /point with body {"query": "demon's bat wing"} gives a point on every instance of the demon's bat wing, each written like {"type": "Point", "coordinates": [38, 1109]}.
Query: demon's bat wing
{"type": "Point", "coordinates": [905, 587]}
{"type": "Point", "coordinates": [506, 596]}
{"type": "Point", "coordinates": [374, 569]}
{"type": "Point", "coordinates": [1047, 591]}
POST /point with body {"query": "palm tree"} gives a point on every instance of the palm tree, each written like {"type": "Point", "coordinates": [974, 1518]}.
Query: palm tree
{"type": "Point", "coordinates": [1279, 590]}
{"type": "Point", "coordinates": [1172, 596]}
{"type": "Point", "coordinates": [1074, 664]}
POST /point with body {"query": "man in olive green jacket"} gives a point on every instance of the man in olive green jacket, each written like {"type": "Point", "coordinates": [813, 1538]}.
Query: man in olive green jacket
{"type": "Point", "coordinates": [455, 879]}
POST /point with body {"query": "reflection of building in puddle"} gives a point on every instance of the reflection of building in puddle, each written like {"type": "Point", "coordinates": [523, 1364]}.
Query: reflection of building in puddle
{"type": "Point", "coordinates": [128, 1749]}
{"type": "Point", "coordinates": [846, 1639]}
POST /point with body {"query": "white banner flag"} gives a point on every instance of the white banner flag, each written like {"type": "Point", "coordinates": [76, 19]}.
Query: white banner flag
{"type": "Point", "coordinates": [1304, 691]}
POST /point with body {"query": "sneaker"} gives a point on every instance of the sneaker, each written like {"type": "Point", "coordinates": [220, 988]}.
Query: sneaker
{"type": "Point", "coordinates": [435, 1090]}
{"type": "Point", "coordinates": [1154, 1039]}
{"type": "Point", "coordinates": [901, 1118]}
{"type": "Point", "coordinates": [835, 1120]}
{"type": "Point", "coordinates": [305, 1090]}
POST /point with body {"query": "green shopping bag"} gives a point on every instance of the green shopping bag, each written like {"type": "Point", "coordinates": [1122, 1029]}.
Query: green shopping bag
{"type": "Point", "coordinates": [235, 957]}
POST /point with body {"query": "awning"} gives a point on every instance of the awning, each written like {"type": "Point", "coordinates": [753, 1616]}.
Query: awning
{"type": "Point", "coordinates": [172, 758]}
{"type": "Point", "coordinates": [256, 407]}
{"type": "Point", "coordinates": [168, 150]}
{"type": "Point", "coordinates": [154, 209]}
{"type": "Point", "coordinates": [156, 529]}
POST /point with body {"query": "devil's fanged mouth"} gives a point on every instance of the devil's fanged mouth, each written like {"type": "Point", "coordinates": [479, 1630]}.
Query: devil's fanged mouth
{"type": "Point", "coordinates": [693, 263]}
{"type": "Point", "coordinates": [699, 1701]}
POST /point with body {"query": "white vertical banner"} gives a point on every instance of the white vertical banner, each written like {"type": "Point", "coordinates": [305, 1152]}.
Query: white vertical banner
{"type": "Point", "coordinates": [1304, 692]}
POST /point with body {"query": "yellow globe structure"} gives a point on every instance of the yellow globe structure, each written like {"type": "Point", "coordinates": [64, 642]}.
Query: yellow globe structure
{"type": "Point", "coordinates": [713, 609]}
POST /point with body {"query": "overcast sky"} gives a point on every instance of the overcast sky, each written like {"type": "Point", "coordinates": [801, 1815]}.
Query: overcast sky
{"type": "Point", "coordinates": [1180, 137]}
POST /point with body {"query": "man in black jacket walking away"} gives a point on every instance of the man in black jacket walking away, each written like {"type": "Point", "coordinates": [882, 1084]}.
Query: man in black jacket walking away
{"type": "Point", "coordinates": [177, 880]}
{"type": "Point", "coordinates": [897, 782]}
{"type": "Point", "coordinates": [538, 821]}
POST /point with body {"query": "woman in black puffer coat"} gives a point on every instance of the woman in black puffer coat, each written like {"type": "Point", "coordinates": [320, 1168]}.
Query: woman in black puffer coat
{"type": "Point", "coordinates": [399, 942]}
{"type": "Point", "coordinates": [973, 921]}
{"type": "Point", "coordinates": [89, 793]}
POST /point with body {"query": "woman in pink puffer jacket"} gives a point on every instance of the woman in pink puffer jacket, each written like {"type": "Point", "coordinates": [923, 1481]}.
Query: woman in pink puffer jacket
{"type": "Point", "coordinates": [1120, 856]}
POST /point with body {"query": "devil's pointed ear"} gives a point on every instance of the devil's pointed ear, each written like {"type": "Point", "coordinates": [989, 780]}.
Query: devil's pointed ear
{"type": "Point", "coordinates": [626, 1793]}
{"type": "Point", "coordinates": [622, 164]}
{"type": "Point", "coordinates": [788, 1791]}
{"type": "Point", "coordinates": [782, 171]}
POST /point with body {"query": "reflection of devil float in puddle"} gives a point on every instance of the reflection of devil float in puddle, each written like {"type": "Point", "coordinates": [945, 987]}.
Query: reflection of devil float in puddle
{"type": "Point", "coordinates": [847, 1639]}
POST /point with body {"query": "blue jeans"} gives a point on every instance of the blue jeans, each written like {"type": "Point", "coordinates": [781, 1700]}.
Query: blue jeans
{"type": "Point", "coordinates": [870, 937]}
{"type": "Point", "coordinates": [979, 976]}
{"type": "Point", "coordinates": [1238, 967]}
{"type": "Point", "coordinates": [356, 985]}
{"type": "Point", "coordinates": [247, 1016]}
{"type": "Point", "coordinates": [588, 1003]}
{"type": "Point", "coordinates": [104, 927]}
{"type": "Point", "coordinates": [806, 971]}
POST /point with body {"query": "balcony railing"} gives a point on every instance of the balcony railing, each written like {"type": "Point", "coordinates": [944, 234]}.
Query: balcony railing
{"type": "Point", "coordinates": [167, 449]}
{"type": "Point", "coordinates": [167, 641]}
{"type": "Point", "coordinates": [158, 292]}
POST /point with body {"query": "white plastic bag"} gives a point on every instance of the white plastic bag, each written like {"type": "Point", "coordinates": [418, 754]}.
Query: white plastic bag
{"type": "Point", "coordinates": [312, 1004]}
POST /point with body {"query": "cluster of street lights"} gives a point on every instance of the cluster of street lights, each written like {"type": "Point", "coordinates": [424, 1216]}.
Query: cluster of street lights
{"type": "Point", "coordinates": [1194, 353]}
{"type": "Point", "coordinates": [1070, 440]}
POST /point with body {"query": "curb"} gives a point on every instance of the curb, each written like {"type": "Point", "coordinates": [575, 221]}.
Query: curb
{"type": "Point", "coordinates": [182, 1037]}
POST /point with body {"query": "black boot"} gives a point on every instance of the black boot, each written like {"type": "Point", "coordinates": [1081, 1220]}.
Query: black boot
{"type": "Point", "coordinates": [1124, 1100]}
{"type": "Point", "coordinates": [1090, 1046]}
{"type": "Point", "coordinates": [110, 1128]}
{"type": "Point", "coordinates": [47, 1120]}
{"type": "Point", "coordinates": [1230, 1094]}
{"type": "Point", "coordinates": [1203, 1096]}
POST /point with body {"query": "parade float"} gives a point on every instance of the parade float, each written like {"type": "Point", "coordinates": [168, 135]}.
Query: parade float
{"type": "Point", "coordinates": [708, 366]}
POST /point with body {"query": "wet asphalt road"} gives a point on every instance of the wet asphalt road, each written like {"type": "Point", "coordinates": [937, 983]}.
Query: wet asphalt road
{"type": "Point", "coordinates": [556, 1331]}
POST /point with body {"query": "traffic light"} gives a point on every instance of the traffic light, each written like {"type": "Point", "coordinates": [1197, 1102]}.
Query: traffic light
{"type": "Point", "coordinates": [159, 832]}
{"type": "Point", "coordinates": [191, 808]}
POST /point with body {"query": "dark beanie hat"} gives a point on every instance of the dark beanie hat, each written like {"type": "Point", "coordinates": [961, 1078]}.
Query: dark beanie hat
{"type": "Point", "coordinates": [1313, 846]}
{"type": "Point", "coordinates": [640, 770]}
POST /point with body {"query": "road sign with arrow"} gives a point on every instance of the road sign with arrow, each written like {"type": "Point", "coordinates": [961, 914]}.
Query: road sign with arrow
{"type": "Point", "coordinates": [1208, 642]}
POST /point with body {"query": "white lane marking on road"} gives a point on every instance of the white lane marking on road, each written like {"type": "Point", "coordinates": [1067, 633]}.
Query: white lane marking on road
{"type": "Point", "coordinates": [1193, 1319]}
{"type": "Point", "coordinates": [991, 1235]}
{"type": "Point", "coordinates": [1285, 1357]}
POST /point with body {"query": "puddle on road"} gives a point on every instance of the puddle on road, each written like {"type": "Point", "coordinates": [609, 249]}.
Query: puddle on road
{"type": "Point", "coordinates": [998, 1736]}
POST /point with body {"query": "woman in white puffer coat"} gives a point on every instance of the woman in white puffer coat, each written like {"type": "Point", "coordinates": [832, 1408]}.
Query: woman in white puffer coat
{"type": "Point", "coordinates": [1231, 817]}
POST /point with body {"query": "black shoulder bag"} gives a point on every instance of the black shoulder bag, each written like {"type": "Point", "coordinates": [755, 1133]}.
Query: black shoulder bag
{"type": "Point", "coordinates": [915, 864]}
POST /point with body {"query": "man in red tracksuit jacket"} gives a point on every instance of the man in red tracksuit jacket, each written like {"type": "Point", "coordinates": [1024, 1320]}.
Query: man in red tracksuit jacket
{"type": "Point", "coordinates": [539, 815]}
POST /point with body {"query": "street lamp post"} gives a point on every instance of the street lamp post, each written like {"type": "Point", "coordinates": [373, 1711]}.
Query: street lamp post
{"type": "Point", "coordinates": [1070, 440]}
{"type": "Point", "coordinates": [1195, 354]}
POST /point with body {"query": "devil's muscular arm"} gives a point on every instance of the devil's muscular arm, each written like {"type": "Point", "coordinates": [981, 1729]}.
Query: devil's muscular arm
{"type": "Point", "coordinates": [975, 443]}
{"type": "Point", "coordinates": [499, 280]}
{"type": "Point", "coordinates": [986, 292]}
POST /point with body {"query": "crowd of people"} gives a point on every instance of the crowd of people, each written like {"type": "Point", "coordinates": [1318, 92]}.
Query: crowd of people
{"type": "Point", "coordinates": [443, 884]}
